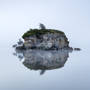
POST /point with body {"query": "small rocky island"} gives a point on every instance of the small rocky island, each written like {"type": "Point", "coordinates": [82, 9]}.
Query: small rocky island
{"type": "Point", "coordinates": [43, 49]}
{"type": "Point", "coordinates": [45, 39]}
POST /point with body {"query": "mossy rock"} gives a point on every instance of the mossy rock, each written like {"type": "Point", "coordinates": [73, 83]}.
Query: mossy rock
{"type": "Point", "coordinates": [37, 32]}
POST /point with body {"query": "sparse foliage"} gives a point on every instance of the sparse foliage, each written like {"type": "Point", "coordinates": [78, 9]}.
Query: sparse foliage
{"type": "Point", "coordinates": [42, 26]}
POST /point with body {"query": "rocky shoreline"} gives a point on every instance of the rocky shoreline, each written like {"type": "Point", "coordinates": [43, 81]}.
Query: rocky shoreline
{"type": "Point", "coordinates": [44, 39]}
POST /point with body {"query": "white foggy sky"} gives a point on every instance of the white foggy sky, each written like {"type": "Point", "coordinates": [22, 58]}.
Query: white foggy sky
{"type": "Point", "coordinates": [70, 16]}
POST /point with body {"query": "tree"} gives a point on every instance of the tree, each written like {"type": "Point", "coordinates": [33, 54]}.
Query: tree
{"type": "Point", "coordinates": [42, 26]}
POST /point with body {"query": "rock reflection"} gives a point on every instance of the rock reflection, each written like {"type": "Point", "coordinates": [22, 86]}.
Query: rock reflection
{"type": "Point", "coordinates": [43, 60]}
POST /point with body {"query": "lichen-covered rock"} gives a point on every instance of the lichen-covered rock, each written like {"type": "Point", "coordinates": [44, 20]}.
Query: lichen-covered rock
{"type": "Point", "coordinates": [45, 39]}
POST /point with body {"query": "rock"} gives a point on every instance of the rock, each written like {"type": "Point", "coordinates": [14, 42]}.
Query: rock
{"type": "Point", "coordinates": [21, 48]}
{"type": "Point", "coordinates": [15, 45]}
{"type": "Point", "coordinates": [20, 42]}
{"type": "Point", "coordinates": [45, 39]}
{"type": "Point", "coordinates": [77, 49]}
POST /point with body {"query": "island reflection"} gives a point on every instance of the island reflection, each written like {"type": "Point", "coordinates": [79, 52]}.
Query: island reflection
{"type": "Point", "coordinates": [43, 60]}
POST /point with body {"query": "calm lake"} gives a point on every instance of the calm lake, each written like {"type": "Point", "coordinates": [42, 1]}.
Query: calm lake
{"type": "Point", "coordinates": [63, 70]}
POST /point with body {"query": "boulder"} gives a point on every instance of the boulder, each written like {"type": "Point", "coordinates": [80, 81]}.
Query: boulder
{"type": "Point", "coordinates": [45, 39]}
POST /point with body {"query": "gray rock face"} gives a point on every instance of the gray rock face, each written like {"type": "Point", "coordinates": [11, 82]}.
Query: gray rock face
{"type": "Point", "coordinates": [47, 41]}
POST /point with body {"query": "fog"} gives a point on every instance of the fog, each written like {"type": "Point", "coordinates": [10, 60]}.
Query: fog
{"type": "Point", "coordinates": [70, 16]}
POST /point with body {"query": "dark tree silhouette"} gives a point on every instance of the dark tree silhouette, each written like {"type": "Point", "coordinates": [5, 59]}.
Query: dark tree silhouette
{"type": "Point", "coordinates": [42, 26]}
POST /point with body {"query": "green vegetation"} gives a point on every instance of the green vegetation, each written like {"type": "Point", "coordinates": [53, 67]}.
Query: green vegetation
{"type": "Point", "coordinates": [38, 32]}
